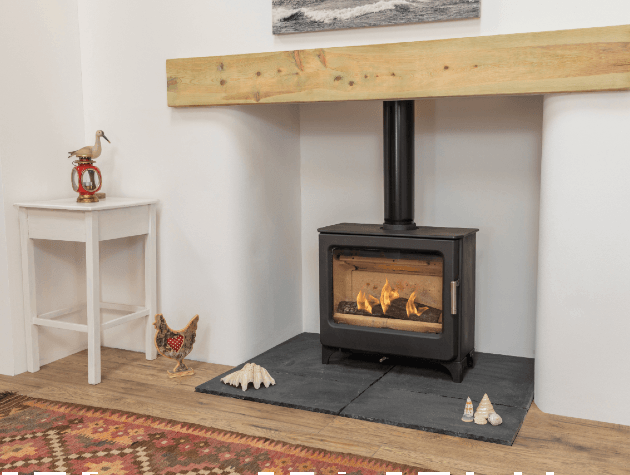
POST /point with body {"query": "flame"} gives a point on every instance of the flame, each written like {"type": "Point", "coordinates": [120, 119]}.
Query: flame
{"type": "Point", "coordinates": [411, 306]}
{"type": "Point", "coordinates": [387, 295]}
{"type": "Point", "coordinates": [366, 303]}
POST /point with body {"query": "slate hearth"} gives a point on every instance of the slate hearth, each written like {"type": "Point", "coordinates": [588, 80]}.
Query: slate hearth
{"type": "Point", "coordinates": [400, 392]}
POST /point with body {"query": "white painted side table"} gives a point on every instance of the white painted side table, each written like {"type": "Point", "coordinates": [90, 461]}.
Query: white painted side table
{"type": "Point", "coordinates": [67, 220]}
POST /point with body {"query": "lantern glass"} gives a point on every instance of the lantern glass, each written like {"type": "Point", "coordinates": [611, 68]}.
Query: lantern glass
{"type": "Point", "coordinates": [75, 179]}
{"type": "Point", "coordinates": [90, 179]}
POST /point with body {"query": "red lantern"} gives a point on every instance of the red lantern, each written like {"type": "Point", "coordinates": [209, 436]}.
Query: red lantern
{"type": "Point", "coordinates": [86, 179]}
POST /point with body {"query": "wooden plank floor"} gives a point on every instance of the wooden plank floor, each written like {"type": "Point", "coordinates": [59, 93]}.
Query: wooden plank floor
{"type": "Point", "coordinates": [546, 443]}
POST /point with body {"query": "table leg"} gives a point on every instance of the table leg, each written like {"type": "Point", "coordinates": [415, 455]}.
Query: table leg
{"type": "Point", "coordinates": [150, 278]}
{"type": "Point", "coordinates": [28, 288]}
{"type": "Point", "coordinates": [93, 297]}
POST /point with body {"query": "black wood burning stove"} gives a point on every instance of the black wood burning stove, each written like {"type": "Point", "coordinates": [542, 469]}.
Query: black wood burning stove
{"type": "Point", "coordinates": [396, 288]}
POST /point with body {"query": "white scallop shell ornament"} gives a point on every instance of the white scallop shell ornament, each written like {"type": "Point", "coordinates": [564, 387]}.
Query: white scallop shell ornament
{"type": "Point", "coordinates": [250, 373]}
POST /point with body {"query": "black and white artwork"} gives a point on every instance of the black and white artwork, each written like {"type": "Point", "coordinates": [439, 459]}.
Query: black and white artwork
{"type": "Point", "coordinates": [297, 16]}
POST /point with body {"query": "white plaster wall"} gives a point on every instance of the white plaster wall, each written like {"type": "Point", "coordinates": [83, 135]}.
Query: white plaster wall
{"type": "Point", "coordinates": [41, 119]}
{"type": "Point", "coordinates": [477, 165]}
{"type": "Point", "coordinates": [483, 171]}
{"type": "Point", "coordinates": [583, 326]}
{"type": "Point", "coordinates": [227, 178]}
{"type": "Point", "coordinates": [6, 349]}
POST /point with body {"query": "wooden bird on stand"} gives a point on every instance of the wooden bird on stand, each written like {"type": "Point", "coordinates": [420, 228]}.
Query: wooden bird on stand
{"type": "Point", "coordinates": [90, 152]}
{"type": "Point", "coordinates": [175, 345]}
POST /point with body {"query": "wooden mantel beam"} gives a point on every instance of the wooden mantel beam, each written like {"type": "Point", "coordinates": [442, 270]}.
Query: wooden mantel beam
{"type": "Point", "coordinates": [593, 59]}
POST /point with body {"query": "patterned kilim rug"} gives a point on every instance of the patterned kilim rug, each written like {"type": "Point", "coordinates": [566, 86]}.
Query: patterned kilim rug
{"type": "Point", "coordinates": [37, 435]}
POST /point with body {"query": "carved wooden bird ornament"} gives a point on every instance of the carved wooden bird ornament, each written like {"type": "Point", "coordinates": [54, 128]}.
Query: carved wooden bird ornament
{"type": "Point", "coordinates": [175, 344]}
{"type": "Point", "coordinates": [90, 152]}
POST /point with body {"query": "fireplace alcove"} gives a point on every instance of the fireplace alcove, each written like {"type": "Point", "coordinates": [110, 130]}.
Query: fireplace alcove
{"type": "Point", "coordinates": [505, 70]}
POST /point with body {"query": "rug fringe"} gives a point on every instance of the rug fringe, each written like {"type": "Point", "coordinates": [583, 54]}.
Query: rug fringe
{"type": "Point", "coordinates": [6, 394]}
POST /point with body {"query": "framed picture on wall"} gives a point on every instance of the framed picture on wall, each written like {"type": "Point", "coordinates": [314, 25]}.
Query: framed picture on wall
{"type": "Point", "coordinates": [298, 16]}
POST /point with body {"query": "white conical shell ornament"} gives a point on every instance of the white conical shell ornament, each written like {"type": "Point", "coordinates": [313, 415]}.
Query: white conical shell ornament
{"type": "Point", "coordinates": [495, 419]}
{"type": "Point", "coordinates": [250, 373]}
{"type": "Point", "coordinates": [468, 411]}
{"type": "Point", "coordinates": [484, 409]}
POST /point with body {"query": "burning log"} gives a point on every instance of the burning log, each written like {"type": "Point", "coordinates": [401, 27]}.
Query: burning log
{"type": "Point", "coordinates": [397, 309]}
{"type": "Point", "coordinates": [366, 303]}
{"type": "Point", "coordinates": [390, 305]}
{"type": "Point", "coordinates": [411, 306]}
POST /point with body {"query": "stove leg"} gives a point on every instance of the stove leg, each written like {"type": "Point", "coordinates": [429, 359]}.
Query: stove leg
{"type": "Point", "coordinates": [327, 352]}
{"type": "Point", "coordinates": [471, 359]}
{"type": "Point", "coordinates": [456, 368]}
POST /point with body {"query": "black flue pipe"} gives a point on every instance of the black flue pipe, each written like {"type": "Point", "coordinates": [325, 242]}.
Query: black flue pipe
{"type": "Point", "coordinates": [398, 161]}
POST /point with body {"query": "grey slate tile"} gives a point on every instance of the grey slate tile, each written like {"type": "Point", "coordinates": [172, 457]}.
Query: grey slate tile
{"type": "Point", "coordinates": [406, 393]}
{"type": "Point", "coordinates": [301, 355]}
{"type": "Point", "coordinates": [508, 380]}
{"type": "Point", "coordinates": [291, 390]}
{"type": "Point", "coordinates": [432, 413]}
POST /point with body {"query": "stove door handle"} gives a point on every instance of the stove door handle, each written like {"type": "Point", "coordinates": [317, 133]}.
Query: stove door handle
{"type": "Point", "coordinates": [454, 285]}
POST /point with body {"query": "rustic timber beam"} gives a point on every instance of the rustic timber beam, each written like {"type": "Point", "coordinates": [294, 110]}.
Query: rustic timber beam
{"type": "Point", "coordinates": [585, 60]}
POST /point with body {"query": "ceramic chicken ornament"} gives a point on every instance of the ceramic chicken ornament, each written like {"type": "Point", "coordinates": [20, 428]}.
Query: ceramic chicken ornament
{"type": "Point", "coordinates": [175, 345]}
